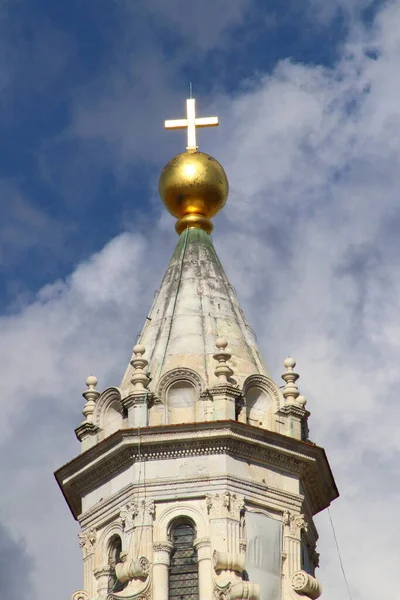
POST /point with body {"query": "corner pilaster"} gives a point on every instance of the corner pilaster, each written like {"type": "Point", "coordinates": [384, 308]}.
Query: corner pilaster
{"type": "Point", "coordinates": [87, 541]}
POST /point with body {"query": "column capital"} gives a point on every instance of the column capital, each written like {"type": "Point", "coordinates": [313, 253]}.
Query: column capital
{"type": "Point", "coordinates": [203, 547]}
{"type": "Point", "coordinates": [225, 505]}
{"type": "Point", "coordinates": [87, 541]}
{"type": "Point", "coordinates": [294, 524]}
{"type": "Point", "coordinates": [162, 552]}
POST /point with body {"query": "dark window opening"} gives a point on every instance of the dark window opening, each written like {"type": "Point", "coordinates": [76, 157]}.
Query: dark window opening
{"type": "Point", "coordinates": [183, 570]}
{"type": "Point", "coordinates": [114, 557]}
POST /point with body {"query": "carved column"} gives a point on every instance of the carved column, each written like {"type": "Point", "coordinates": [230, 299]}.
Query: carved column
{"type": "Point", "coordinates": [87, 541]}
{"type": "Point", "coordinates": [161, 559]}
{"type": "Point", "coordinates": [203, 547]}
{"type": "Point", "coordinates": [102, 575]}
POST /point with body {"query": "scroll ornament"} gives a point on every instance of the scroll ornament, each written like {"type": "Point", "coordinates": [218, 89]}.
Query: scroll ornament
{"type": "Point", "coordinates": [138, 568]}
{"type": "Point", "coordinates": [306, 585]}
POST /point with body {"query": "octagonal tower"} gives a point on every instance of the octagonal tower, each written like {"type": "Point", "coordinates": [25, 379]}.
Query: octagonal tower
{"type": "Point", "coordinates": [197, 478]}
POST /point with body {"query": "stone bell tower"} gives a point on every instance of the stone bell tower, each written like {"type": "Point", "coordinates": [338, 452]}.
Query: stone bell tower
{"type": "Point", "coordinates": [197, 478]}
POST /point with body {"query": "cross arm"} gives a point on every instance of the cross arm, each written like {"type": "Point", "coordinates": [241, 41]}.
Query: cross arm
{"type": "Point", "coordinates": [176, 124]}
{"type": "Point", "coordinates": [207, 122]}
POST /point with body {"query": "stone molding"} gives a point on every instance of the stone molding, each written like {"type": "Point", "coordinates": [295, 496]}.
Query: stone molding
{"type": "Point", "coordinates": [275, 497]}
{"type": "Point", "coordinates": [179, 374]}
{"type": "Point", "coordinates": [296, 410]}
{"type": "Point", "coordinates": [107, 397]}
{"type": "Point", "coordinates": [266, 384]}
{"type": "Point", "coordinates": [144, 398]}
{"type": "Point", "coordinates": [236, 439]}
{"type": "Point", "coordinates": [86, 428]}
{"type": "Point", "coordinates": [225, 390]}
{"type": "Point", "coordinates": [178, 448]}
{"type": "Point", "coordinates": [87, 541]}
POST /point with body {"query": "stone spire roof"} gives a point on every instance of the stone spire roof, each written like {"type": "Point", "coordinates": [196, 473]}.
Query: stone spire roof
{"type": "Point", "coordinates": [196, 305]}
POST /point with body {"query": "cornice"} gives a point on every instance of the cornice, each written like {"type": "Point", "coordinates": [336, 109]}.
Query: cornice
{"type": "Point", "coordinates": [222, 437]}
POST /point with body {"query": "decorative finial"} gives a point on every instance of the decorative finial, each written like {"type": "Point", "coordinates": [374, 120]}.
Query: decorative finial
{"type": "Point", "coordinates": [191, 122]}
{"type": "Point", "coordinates": [91, 395]}
{"type": "Point", "coordinates": [222, 370]}
{"type": "Point", "coordinates": [139, 378]}
{"type": "Point", "coordinates": [193, 185]}
{"type": "Point", "coordinates": [291, 391]}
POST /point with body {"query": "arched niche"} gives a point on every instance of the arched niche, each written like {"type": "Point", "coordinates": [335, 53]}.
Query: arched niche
{"type": "Point", "coordinates": [179, 390]}
{"type": "Point", "coordinates": [112, 530]}
{"type": "Point", "coordinates": [181, 402]}
{"type": "Point", "coordinates": [108, 414]}
{"type": "Point", "coordinates": [262, 401]}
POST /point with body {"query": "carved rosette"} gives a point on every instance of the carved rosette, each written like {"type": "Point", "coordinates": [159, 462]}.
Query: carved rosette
{"type": "Point", "coordinates": [294, 524]}
{"type": "Point", "coordinates": [87, 541]}
{"type": "Point", "coordinates": [225, 506]}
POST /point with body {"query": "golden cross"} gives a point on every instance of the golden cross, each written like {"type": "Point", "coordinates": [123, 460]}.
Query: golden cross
{"type": "Point", "coordinates": [191, 122]}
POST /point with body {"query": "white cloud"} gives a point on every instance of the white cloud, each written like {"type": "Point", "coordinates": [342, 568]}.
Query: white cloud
{"type": "Point", "coordinates": [310, 239]}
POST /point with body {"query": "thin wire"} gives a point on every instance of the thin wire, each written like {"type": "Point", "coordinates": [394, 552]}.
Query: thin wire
{"type": "Point", "coordinates": [340, 558]}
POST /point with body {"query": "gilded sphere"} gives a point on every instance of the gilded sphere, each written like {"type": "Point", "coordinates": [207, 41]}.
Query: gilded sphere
{"type": "Point", "coordinates": [193, 183]}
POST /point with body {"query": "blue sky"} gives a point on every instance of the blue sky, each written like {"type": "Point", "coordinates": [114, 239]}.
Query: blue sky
{"type": "Point", "coordinates": [308, 100]}
{"type": "Point", "coordinates": [64, 62]}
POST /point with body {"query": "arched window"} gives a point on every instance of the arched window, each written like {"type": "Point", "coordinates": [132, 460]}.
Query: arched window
{"type": "Point", "coordinates": [181, 397]}
{"type": "Point", "coordinates": [259, 409]}
{"type": "Point", "coordinates": [114, 557]}
{"type": "Point", "coordinates": [183, 570]}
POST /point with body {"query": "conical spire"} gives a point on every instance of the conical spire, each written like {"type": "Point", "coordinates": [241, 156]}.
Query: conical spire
{"type": "Point", "coordinates": [196, 305]}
